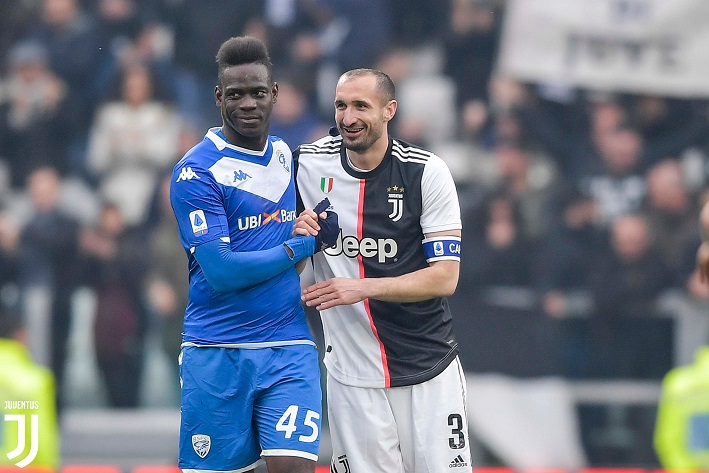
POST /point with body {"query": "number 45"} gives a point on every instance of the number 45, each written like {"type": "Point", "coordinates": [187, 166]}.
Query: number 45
{"type": "Point", "coordinates": [287, 424]}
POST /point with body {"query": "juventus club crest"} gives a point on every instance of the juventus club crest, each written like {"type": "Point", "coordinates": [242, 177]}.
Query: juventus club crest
{"type": "Point", "coordinates": [201, 444]}
{"type": "Point", "coordinates": [396, 199]}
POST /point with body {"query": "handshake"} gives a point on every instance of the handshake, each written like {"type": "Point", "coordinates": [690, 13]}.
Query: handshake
{"type": "Point", "coordinates": [329, 226]}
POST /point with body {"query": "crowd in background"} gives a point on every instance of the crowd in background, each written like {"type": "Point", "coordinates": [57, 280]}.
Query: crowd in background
{"type": "Point", "coordinates": [577, 205]}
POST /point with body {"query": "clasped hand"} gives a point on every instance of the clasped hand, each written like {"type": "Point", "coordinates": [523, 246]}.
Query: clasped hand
{"type": "Point", "coordinates": [320, 223]}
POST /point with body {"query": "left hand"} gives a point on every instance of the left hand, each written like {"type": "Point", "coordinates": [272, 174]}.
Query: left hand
{"type": "Point", "coordinates": [334, 292]}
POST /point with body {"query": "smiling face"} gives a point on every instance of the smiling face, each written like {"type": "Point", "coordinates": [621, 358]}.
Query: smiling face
{"type": "Point", "coordinates": [362, 114]}
{"type": "Point", "coordinates": [245, 96]}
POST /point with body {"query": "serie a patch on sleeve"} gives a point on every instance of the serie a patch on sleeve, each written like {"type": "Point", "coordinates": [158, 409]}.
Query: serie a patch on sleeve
{"type": "Point", "coordinates": [441, 248]}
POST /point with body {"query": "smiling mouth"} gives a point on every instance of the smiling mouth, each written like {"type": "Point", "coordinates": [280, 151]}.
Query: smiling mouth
{"type": "Point", "coordinates": [351, 130]}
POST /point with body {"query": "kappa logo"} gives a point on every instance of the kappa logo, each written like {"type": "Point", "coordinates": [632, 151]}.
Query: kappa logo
{"type": "Point", "coordinates": [241, 176]}
{"type": "Point", "coordinates": [201, 444]}
{"type": "Point", "coordinates": [458, 462]}
{"type": "Point", "coordinates": [186, 174]}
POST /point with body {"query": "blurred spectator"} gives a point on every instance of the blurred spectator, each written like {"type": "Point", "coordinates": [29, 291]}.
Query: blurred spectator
{"type": "Point", "coordinates": [132, 141]}
{"type": "Point", "coordinates": [70, 36]}
{"type": "Point", "coordinates": [625, 287]}
{"type": "Point", "coordinates": [26, 389]}
{"type": "Point", "coordinates": [167, 282]}
{"type": "Point", "coordinates": [672, 216]}
{"type": "Point", "coordinates": [499, 254]}
{"type": "Point", "coordinates": [16, 16]}
{"type": "Point", "coordinates": [293, 118]}
{"type": "Point", "coordinates": [46, 247]}
{"type": "Point", "coordinates": [417, 23]}
{"type": "Point", "coordinates": [615, 181]}
{"type": "Point", "coordinates": [568, 255]}
{"type": "Point", "coordinates": [528, 180]}
{"type": "Point", "coordinates": [116, 260]}
{"type": "Point", "coordinates": [200, 27]}
{"type": "Point", "coordinates": [668, 126]}
{"type": "Point", "coordinates": [35, 114]}
{"type": "Point", "coordinates": [132, 34]}
{"type": "Point", "coordinates": [470, 48]}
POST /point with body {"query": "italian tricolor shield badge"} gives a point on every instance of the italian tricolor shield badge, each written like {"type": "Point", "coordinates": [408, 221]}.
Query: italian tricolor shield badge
{"type": "Point", "coordinates": [326, 184]}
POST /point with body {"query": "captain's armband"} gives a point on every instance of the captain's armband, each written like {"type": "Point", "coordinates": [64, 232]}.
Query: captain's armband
{"type": "Point", "coordinates": [440, 248]}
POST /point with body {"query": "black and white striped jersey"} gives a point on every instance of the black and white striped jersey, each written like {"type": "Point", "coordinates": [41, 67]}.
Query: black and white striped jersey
{"type": "Point", "coordinates": [384, 214]}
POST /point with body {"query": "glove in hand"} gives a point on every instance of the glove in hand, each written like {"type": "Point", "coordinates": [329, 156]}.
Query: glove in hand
{"type": "Point", "coordinates": [329, 227]}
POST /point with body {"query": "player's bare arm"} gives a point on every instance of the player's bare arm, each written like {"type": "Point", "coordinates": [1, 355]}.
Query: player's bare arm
{"type": "Point", "coordinates": [438, 280]}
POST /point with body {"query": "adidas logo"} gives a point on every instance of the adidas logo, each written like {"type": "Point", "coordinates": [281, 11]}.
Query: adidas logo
{"type": "Point", "coordinates": [458, 462]}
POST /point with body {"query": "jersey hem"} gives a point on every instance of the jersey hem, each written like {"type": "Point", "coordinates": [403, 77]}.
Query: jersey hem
{"type": "Point", "coordinates": [249, 346]}
{"type": "Point", "coordinates": [394, 382]}
{"type": "Point", "coordinates": [238, 470]}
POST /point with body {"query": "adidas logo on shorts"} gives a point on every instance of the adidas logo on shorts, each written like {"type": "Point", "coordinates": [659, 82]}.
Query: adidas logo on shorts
{"type": "Point", "coordinates": [458, 462]}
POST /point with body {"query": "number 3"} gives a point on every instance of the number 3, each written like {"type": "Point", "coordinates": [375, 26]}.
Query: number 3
{"type": "Point", "coordinates": [287, 424]}
{"type": "Point", "coordinates": [456, 421]}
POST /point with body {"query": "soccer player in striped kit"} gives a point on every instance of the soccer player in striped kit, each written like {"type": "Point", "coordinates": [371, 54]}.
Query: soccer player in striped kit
{"type": "Point", "coordinates": [396, 389]}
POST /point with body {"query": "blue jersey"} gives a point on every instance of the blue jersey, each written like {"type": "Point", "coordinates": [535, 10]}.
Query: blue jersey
{"type": "Point", "coordinates": [245, 197]}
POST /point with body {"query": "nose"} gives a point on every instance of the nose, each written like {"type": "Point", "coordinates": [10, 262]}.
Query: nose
{"type": "Point", "coordinates": [247, 102]}
{"type": "Point", "coordinates": [348, 117]}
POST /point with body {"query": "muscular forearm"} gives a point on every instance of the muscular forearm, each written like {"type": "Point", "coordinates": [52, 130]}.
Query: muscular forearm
{"type": "Point", "coordinates": [438, 280]}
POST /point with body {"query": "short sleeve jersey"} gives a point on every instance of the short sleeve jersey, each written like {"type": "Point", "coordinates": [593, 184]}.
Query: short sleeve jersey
{"type": "Point", "coordinates": [247, 198]}
{"type": "Point", "coordinates": [383, 214]}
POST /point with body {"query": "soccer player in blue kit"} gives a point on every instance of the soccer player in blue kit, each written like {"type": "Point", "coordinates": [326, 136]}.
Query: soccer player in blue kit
{"type": "Point", "coordinates": [249, 366]}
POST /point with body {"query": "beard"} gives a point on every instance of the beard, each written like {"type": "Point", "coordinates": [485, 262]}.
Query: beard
{"type": "Point", "coordinates": [361, 143]}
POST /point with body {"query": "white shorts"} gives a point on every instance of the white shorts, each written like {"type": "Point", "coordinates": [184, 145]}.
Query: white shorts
{"type": "Point", "coordinates": [413, 429]}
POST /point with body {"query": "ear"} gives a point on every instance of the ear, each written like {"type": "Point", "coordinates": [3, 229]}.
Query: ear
{"type": "Point", "coordinates": [217, 96]}
{"type": "Point", "coordinates": [274, 92]}
{"type": "Point", "coordinates": [390, 110]}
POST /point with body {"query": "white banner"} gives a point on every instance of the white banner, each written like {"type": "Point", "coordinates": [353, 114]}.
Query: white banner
{"type": "Point", "coordinates": [642, 46]}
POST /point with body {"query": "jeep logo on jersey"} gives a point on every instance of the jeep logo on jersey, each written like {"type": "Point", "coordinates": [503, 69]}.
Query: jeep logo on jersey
{"type": "Point", "coordinates": [240, 176]}
{"type": "Point", "coordinates": [381, 248]}
{"type": "Point", "coordinates": [255, 221]}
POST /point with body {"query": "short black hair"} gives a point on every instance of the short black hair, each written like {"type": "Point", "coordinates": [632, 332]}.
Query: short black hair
{"type": "Point", "coordinates": [243, 50]}
{"type": "Point", "coordinates": [385, 85]}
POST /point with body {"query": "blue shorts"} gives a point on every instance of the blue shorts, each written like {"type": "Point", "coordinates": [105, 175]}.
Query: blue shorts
{"type": "Point", "coordinates": [241, 404]}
